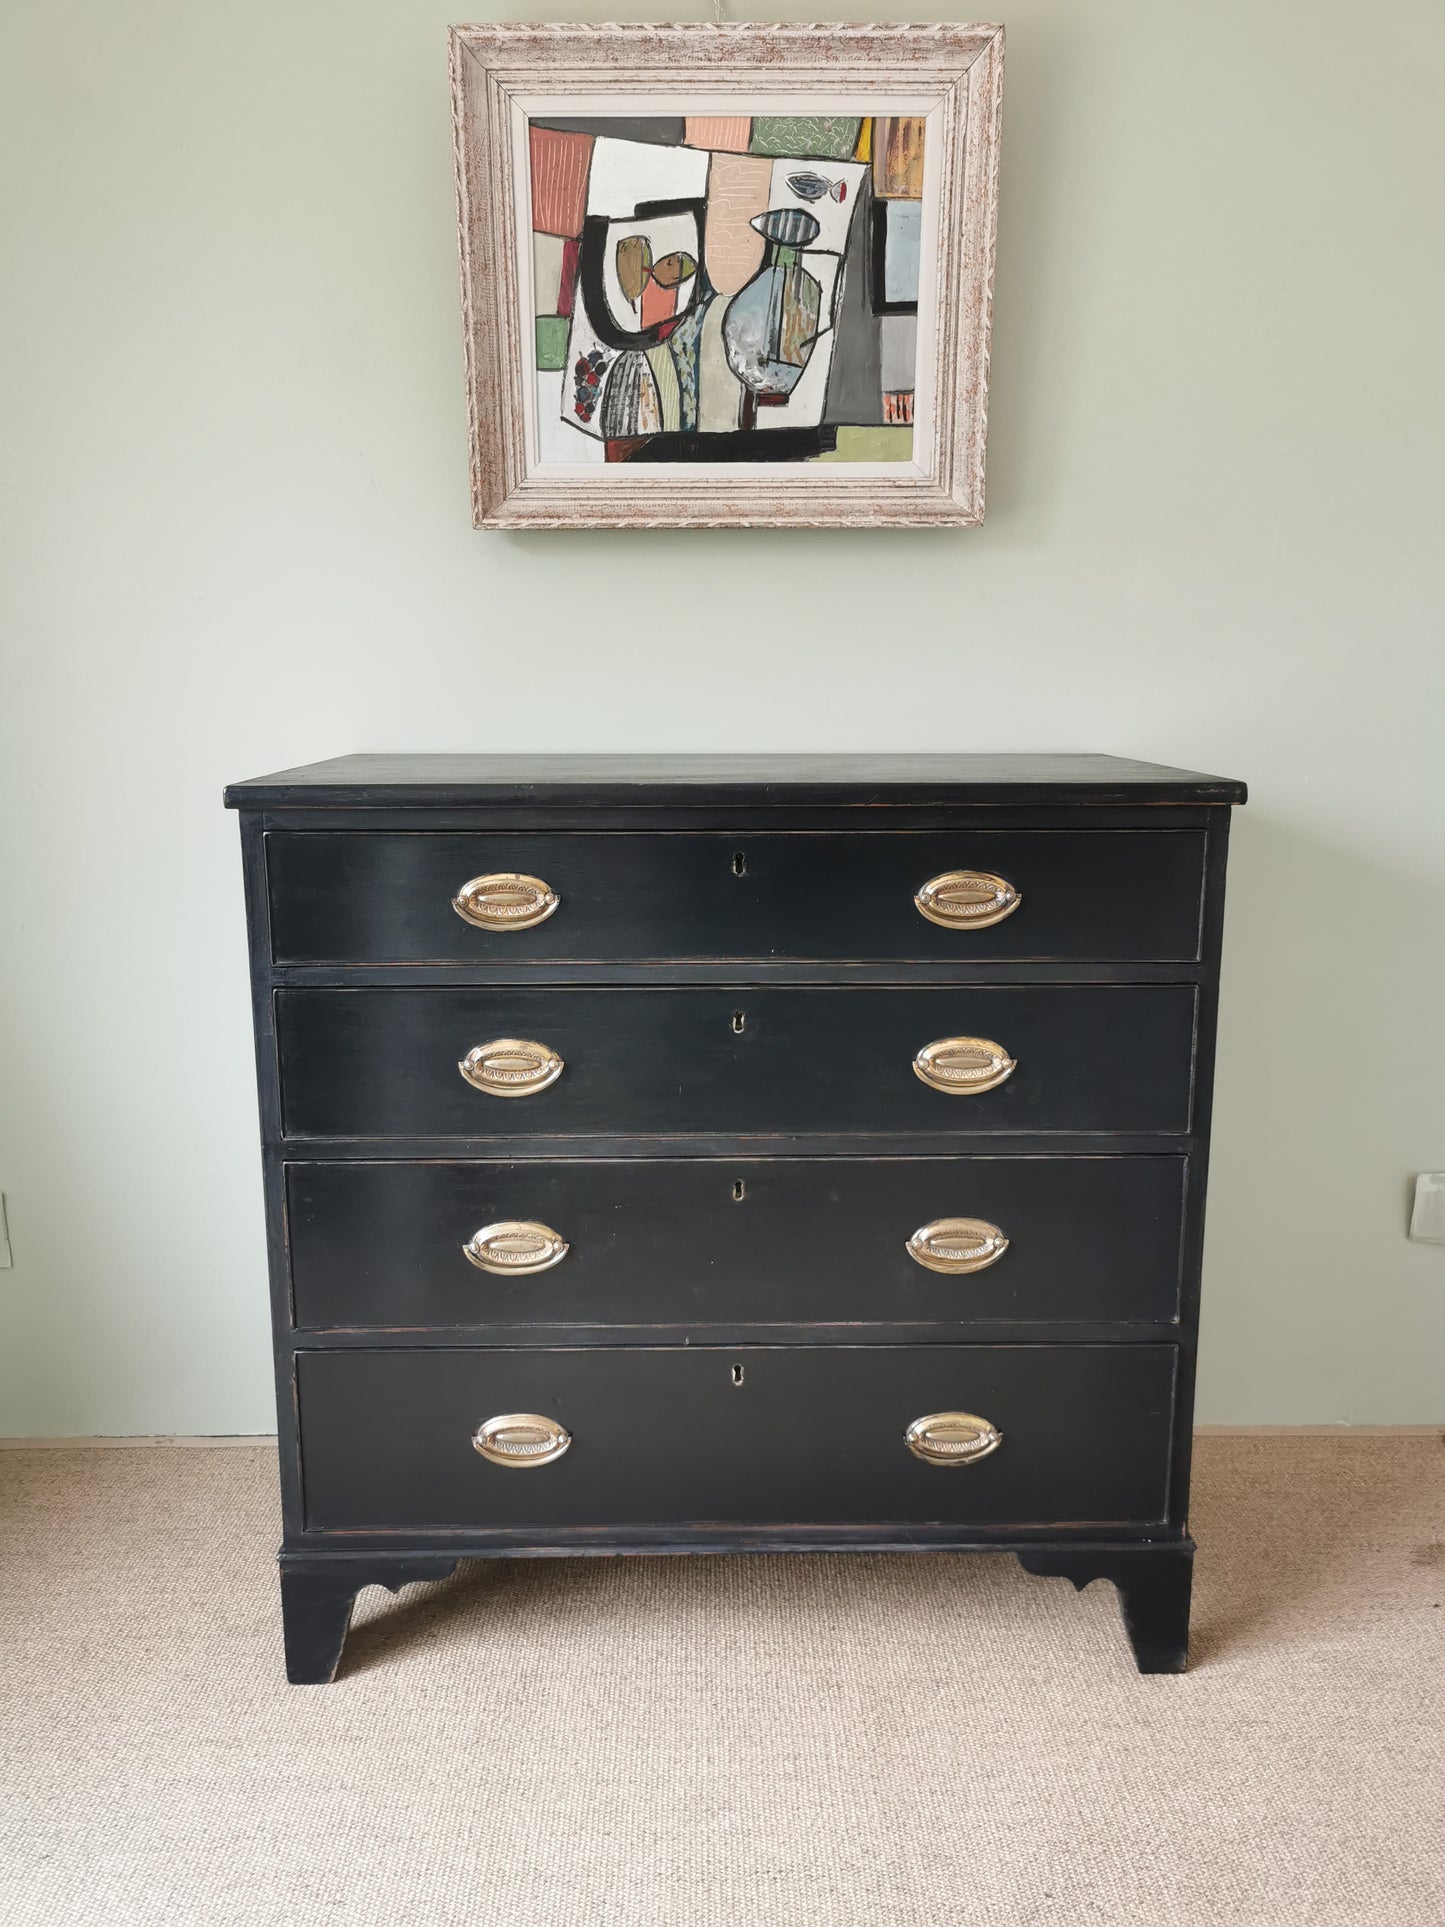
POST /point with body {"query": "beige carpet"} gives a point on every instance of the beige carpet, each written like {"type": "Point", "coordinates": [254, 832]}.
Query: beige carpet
{"type": "Point", "coordinates": [809, 1742]}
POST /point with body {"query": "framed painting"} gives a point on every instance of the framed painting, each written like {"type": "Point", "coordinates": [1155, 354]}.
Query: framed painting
{"type": "Point", "coordinates": [727, 276]}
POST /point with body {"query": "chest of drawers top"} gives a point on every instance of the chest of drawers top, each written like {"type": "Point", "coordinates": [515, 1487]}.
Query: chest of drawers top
{"type": "Point", "coordinates": [922, 781]}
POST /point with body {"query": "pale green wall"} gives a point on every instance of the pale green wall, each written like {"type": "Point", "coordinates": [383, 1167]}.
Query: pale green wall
{"type": "Point", "coordinates": [235, 501]}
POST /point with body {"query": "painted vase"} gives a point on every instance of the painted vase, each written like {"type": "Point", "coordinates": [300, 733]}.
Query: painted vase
{"type": "Point", "coordinates": [771, 325]}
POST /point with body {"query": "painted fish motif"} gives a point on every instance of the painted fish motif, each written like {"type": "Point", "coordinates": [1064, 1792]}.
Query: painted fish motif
{"type": "Point", "coordinates": [812, 187]}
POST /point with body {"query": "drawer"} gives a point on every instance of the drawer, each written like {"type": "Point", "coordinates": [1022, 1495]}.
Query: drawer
{"type": "Point", "coordinates": [382, 898]}
{"type": "Point", "coordinates": [742, 1241]}
{"type": "Point", "coordinates": [383, 1063]}
{"type": "Point", "coordinates": [811, 1435]}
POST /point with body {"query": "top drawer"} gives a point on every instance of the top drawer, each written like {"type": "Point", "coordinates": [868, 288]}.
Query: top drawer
{"type": "Point", "coordinates": [372, 897]}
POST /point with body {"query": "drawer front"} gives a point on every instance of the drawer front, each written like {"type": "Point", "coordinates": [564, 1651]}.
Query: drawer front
{"type": "Point", "coordinates": [811, 1435]}
{"type": "Point", "coordinates": [746, 1241]}
{"type": "Point", "coordinates": [362, 897]}
{"type": "Point", "coordinates": [379, 1063]}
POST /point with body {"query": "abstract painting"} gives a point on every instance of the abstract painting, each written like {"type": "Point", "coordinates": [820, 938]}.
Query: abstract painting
{"type": "Point", "coordinates": [725, 288]}
{"type": "Point", "coordinates": [709, 283]}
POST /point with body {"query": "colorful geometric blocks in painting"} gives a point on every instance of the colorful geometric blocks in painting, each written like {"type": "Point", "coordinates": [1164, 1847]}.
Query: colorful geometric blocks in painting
{"type": "Point", "coordinates": [725, 288]}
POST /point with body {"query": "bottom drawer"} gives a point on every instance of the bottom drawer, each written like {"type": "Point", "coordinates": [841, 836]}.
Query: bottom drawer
{"type": "Point", "coordinates": [751, 1435]}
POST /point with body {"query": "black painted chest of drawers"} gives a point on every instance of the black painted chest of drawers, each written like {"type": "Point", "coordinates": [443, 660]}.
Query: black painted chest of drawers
{"type": "Point", "coordinates": [687, 1154]}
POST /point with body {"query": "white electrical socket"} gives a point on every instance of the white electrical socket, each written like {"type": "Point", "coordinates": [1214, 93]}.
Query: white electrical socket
{"type": "Point", "coordinates": [7, 1263]}
{"type": "Point", "coordinates": [1427, 1220]}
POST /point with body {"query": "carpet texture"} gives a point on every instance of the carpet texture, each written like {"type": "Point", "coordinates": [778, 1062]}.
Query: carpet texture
{"type": "Point", "coordinates": [755, 1742]}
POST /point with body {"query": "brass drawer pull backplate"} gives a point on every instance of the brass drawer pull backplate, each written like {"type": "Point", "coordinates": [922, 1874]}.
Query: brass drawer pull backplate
{"type": "Point", "coordinates": [511, 1067]}
{"type": "Point", "coordinates": [957, 1245]}
{"type": "Point", "coordinates": [962, 1066]}
{"type": "Point", "coordinates": [952, 1438]}
{"type": "Point", "coordinates": [967, 899]}
{"type": "Point", "coordinates": [505, 900]}
{"type": "Point", "coordinates": [515, 1248]}
{"type": "Point", "coordinates": [521, 1440]}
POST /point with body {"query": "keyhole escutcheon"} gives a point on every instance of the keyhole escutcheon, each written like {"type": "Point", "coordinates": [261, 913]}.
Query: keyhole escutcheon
{"type": "Point", "coordinates": [739, 1022]}
{"type": "Point", "coordinates": [737, 1374]}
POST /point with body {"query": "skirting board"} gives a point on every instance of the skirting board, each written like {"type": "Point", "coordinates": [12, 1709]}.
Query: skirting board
{"type": "Point", "coordinates": [1342, 1430]}
{"type": "Point", "coordinates": [1200, 1431]}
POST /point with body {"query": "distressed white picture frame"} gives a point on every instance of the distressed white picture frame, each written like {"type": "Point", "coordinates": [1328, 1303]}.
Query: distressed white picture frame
{"type": "Point", "coordinates": [951, 74]}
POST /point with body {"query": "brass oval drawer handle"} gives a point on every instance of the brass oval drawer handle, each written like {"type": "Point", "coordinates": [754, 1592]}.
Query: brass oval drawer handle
{"type": "Point", "coordinates": [505, 900]}
{"type": "Point", "coordinates": [962, 1066]}
{"type": "Point", "coordinates": [952, 1438]}
{"type": "Point", "coordinates": [515, 1247]}
{"type": "Point", "coordinates": [967, 899]}
{"type": "Point", "coordinates": [520, 1440]}
{"type": "Point", "coordinates": [957, 1245]}
{"type": "Point", "coordinates": [511, 1067]}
